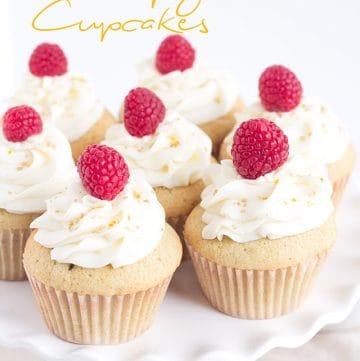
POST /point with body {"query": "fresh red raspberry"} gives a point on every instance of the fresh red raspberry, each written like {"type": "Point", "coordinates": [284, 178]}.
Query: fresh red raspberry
{"type": "Point", "coordinates": [143, 112]}
{"type": "Point", "coordinates": [20, 123]}
{"type": "Point", "coordinates": [259, 147]}
{"type": "Point", "coordinates": [103, 171]}
{"type": "Point", "coordinates": [174, 53]}
{"type": "Point", "coordinates": [279, 89]}
{"type": "Point", "coordinates": [48, 60]}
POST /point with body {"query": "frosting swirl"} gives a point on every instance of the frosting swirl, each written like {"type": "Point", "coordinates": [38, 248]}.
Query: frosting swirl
{"type": "Point", "coordinates": [199, 94]}
{"type": "Point", "coordinates": [293, 199]}
{"type": "Point", "coordinates": [34, 170]}
{"type": "Point", "coordinates": [176, 155]}
{"type": "Point", "coordinates": [312, 129]}
{"type": "Point", "coordinates": [68, 101]}
{"type": "Point", "coordinates": [92, 233]}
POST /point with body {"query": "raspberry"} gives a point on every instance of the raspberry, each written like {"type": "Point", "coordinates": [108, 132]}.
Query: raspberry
{"type": "Point", "coordinates": [143, 112]}
{"type": "Point", "coordinates": [174, 53]}
{"type": "Point", "coordinates": [48, 60]}
{"type": "Point", "coordinates": [259, 147]}
{"type": "Point", "coordinates": [20, 123]}
{"type": "Point", "coordinates": [103, 171]}
{"type": "Point", "coordinates": [279, 89]}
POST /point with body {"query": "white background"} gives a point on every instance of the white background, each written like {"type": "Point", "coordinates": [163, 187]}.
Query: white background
{"type": "Point", "coordinates": [318, 39]}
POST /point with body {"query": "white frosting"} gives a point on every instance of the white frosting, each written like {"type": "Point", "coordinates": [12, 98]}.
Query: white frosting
{"type": "Point", "coordinates": [34, 170]}
{"type": "Point", "coordinates": [314, 131]}
{"type": "Point", "coordinates": [291, 200]}
{"type": "Point", "coordinates": [92, 233]}
{"type": "Point", "coordinates": [176, 155]}
{"type": "Point", "coordinates": [68, 101]}
{"type": "Point", "coordinates": [200, 94]}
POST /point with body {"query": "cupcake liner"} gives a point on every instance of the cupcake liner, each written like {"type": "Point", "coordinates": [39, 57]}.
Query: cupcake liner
{"type": "Point", "coordinates": [253, 294]}
{"type": "Point", "coordinates": [12, 244]}
{"type": "Point", "coordinates": [96, 319]}
{"type": "Point", "coordinates": [178, 224]}
{"type": "Point", "coordinates": [338, 188]}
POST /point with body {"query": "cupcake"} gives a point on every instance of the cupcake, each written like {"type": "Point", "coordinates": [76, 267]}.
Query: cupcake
{"type": "Point", "coordinates": [264, 227]}
{"type": "Point", "coordinates": [312, 127]}
{"type": "Point", "coordinates": [102, 256]}
{"type": "Point", "coordinates": [67, 100]}
{"type": "Point", "coordinates": [36, 163]}
{"type": "Point", "coordinates": [168, 150]}
{"type": "Point", "coordinates": [205, 96]}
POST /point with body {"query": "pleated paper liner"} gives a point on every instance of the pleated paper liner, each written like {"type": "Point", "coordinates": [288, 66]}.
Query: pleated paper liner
{"type": "Point", "coordinates": [252, 294]}
{"type": "Point", "coordinates": [12, 244]}
{"type": "Point", "coordinates": [178, 224]}
{"type": "Point", "coordinates": [96, 319]}
{"type": "Point", "coordinates": [339, 188]}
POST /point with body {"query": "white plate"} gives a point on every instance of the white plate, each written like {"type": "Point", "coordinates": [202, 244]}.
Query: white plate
{"type": "Point", "coordinates": [187, 328]}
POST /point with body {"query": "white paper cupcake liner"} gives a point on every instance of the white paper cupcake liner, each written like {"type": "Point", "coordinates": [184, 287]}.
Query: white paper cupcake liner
{"type": "Point", "coordinates": [95, 319]}
{"type": "Point", "coordinates": [339, 188]}
{"type": "Point", "coordinates": [253, 294]}
{"type": "Point", "coordinates": [12, 244]}
{"type": "Point", "coordinates": [178, 224]}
